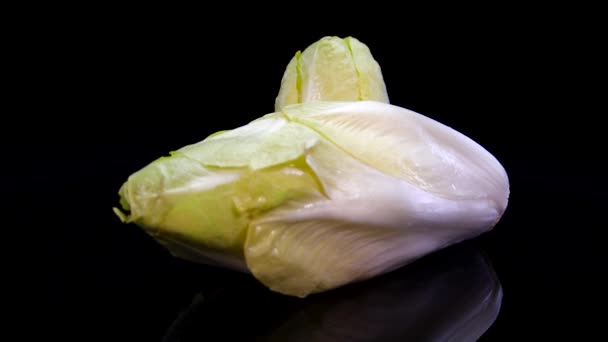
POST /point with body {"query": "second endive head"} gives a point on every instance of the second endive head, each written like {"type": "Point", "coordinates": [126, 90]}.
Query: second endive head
{"type": "Point", "coordinates": [332, 69]}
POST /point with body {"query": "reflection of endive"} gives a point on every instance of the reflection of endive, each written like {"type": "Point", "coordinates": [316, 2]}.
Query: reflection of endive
{"type": "Point", "coordinates": [336, 186]}
{"type": "Point", "coordinates": [452, 296]}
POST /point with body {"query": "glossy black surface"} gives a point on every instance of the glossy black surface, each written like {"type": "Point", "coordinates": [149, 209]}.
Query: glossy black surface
{"type": "Point", "coordinates": [451, 296]}
{"type": "Point", "coordinates": [116, 94]}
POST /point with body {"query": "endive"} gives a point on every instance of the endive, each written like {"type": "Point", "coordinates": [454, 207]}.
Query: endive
{"type": "Point", "coordinates": [332, 69]}
{"type": "Point", "coordinates": [325, 191]}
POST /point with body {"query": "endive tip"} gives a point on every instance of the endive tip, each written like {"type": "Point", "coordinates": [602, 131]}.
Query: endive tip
{"type": "Point", "coordinates": [332, 69]}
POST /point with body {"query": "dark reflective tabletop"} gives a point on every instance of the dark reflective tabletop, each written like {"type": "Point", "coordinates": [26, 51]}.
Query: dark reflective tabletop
{"type": "Point", "coordinates": [452, 296]}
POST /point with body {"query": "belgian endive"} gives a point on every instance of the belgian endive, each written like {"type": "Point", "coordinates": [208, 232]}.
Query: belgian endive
{"type": "Point", "coordinates": [332, 69]}
{"type": "Point", "coordinates": [327, 190]}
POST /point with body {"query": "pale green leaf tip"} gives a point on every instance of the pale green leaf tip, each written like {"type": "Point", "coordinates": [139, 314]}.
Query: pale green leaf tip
{"type": "Point", "coordinates": [122, 216]}
{"type": "Point", "coordinates": [311, 75]}
{"type": "Point", "coordinates": [124, 203]}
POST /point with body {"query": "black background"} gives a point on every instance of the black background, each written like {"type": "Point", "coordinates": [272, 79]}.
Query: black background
{"type": "Point", "coordinates": [114, 92]}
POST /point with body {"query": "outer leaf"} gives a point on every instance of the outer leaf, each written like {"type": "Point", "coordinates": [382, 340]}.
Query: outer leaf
{"type": "Point", "coordinates": [370, 224]}
{"type": "Point", "coordinates": [371, 82]}
{"type": "Point", "coordinates": [290, 92]}
{"type": "Point", "coordinates": [265, 142]}
{"type": "Point", "coordinates": [410, 146]}
{"type": "Point", "coordinates": [179, 198]}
